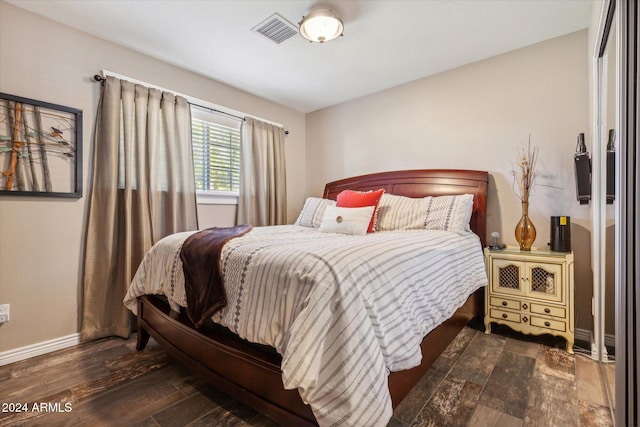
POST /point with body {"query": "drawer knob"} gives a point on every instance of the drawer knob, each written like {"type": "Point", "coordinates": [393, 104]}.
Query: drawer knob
{"type": "Point", "coordinates": [525, 306]}
{"type": "Point", "coordinates": [504, 315]}
{"type": "Point", "coordinates": [547, 324]}
{"type": "Point", "coordinates": [547, 310]}
{"type": "Point", "coordinates": [504, 303]}
{"type": "Point", "coordinates": [525, 319]}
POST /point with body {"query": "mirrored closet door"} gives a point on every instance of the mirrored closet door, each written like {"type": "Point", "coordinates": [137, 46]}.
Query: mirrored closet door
{"type": "Point", "coordinates": [604, 198]}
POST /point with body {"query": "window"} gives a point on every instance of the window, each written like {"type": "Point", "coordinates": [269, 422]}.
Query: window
{"type": "Point", "coordinates": [216, 154]}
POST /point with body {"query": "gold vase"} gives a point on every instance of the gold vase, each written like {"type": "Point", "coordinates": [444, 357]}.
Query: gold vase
{"type": "Point", "coordinates": [525, 231]}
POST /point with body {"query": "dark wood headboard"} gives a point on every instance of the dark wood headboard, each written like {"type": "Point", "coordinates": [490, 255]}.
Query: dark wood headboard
{"type": "Point", "coordinates": [425, 182]}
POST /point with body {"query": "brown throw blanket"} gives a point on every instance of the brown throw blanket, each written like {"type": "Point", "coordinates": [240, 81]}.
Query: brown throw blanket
{"type": "Point", "coordinates": [201, 262]}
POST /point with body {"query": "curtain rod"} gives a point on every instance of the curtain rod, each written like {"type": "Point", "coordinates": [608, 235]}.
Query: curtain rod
{"type": "Point", "coordinates": [286, 132]}
{"type": "Point", "coordinates": [216, 111]}
{"type": "Point", "coordinates": [98, 78]}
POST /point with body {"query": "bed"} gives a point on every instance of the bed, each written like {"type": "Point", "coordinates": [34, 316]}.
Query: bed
{"type": "Point", "coordinates": [254, 372]}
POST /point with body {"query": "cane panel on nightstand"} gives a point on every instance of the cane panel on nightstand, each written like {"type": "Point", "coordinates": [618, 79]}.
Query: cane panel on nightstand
{"type": "Point", "coordinates": [509, 277]}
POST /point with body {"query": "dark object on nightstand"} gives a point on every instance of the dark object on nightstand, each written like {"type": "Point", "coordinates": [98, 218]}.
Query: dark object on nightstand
{"type": "Point", "coordinates": [560, 234]}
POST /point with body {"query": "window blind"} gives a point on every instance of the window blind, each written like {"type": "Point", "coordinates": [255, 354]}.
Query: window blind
{"type": "Point", "coordinates": [216, 151]}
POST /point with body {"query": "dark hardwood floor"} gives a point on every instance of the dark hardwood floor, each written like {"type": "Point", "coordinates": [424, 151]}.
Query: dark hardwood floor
{"type": "Point", "coordinates": [502, 379]}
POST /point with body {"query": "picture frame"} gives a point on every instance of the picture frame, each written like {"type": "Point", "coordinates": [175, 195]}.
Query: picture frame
{"type": "Point", "coordinates": [40, 148]}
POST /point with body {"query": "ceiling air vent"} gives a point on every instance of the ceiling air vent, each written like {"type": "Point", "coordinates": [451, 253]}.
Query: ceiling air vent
{"type": "Point", "coordinates": [276, 28]}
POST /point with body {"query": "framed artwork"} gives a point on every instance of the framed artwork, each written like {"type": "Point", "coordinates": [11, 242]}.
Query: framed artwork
{"type": "Point", "coordinates": [40, 148]}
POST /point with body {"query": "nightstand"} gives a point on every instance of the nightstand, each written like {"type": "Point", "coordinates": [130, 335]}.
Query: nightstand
{"type": "Point", "coordinates": [530, 292]}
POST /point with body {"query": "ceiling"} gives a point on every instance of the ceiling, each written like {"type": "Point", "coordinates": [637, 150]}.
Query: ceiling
{"type": "Point", "coordinates": [385, 43]}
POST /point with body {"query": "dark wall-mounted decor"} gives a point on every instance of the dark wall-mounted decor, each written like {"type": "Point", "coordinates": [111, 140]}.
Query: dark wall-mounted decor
{"type": "Point", "coordinates": [582, 169]}
{"type": "Point", "coordinates": [40, 148]}
{"type": "Point", "coordinates": [611, 167]}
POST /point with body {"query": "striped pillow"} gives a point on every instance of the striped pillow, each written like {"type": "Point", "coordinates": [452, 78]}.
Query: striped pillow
{"type": "Point", "coordinates": [313, 212]}
{"type": "Point", "coordinates": [401, 213]}
{"type": "Point", "coordinates": [450, 213]}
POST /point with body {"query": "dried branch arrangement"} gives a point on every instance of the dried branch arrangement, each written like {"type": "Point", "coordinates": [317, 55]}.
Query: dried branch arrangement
{"type": "Point", "coordinates": [524, 172]}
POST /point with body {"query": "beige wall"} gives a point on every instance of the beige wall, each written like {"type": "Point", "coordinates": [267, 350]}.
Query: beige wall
{"type": "Point", "coordinates": [476, 117]}
{"type": "Point", "coordinates": [41, 240]}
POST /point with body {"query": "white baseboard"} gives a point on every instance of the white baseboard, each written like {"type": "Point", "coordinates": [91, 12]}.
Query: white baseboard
{"type": "Point", "coordinates": [37, 349]}
{"type": "Point", "coordinates": [587, 336]}
{"type": "Point", "coordinates": [610, 340]}
{"type": "Point", "coordinates": [583, 335]}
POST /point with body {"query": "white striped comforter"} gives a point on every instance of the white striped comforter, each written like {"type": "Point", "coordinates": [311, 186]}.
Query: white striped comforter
{"type": "Point", "coordinates": [343, 311]}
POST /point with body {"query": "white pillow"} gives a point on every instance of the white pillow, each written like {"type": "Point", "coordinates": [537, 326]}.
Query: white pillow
{"type": "Point", "coordinates": [450, 213]}
{"type": "Point", "coordinates": [401, 213]}
{"type": "Point", "coordinates": [346, 220]}
{"type": "Point", "coordinates": [313, 212]}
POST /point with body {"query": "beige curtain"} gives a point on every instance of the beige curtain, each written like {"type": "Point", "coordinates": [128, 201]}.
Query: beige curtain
{"type": "Point", "coordinates": [142, 190]}
{"type": "Point", "coordinates": [263, 188]}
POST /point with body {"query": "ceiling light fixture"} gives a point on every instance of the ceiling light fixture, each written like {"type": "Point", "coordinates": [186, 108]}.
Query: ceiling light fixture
{"type": "Point", "coordinates": [321, 25]}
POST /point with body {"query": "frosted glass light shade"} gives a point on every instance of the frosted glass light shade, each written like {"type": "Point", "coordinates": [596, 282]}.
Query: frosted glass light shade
{"type": "Point", "coordinates": [321, 25]}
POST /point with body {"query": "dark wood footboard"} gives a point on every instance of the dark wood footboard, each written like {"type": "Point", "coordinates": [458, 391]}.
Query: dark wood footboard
{"type": "Point", "coordinates": [251, 373]}
{"type": "Point", "coordinates": [246, 371]}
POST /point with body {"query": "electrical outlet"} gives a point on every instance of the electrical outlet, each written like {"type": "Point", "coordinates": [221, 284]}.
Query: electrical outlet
{"type": "Point", "coordinates": [4, 313]}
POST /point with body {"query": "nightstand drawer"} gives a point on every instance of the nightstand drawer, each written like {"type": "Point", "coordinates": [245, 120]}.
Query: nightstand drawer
{"type": "Point", "coordinates": [551, 311]}
{"type": "Point", "coordinates": [504, 302]}
{"type": "Point", "coordinates": [505, 315]}
{"type": "Point", "coordinates": [549, 324]}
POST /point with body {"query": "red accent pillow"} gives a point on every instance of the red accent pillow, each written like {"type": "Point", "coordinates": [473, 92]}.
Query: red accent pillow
{"type": "Point", "coordinates": [359, 199]}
